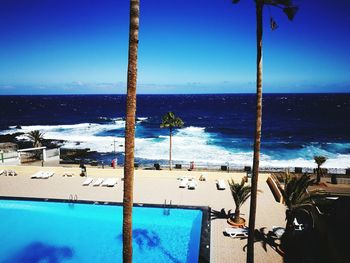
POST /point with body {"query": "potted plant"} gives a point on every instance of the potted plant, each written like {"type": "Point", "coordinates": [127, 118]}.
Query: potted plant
{"type": "Point", "coordinates": [240, 193]}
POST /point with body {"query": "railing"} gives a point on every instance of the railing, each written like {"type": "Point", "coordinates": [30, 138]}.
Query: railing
{"type": "Point", "coordinates": [166, 211]}
{"type": "Point", "coordinates": [72, 199]}
{"type": "Point", "coordinates": [7, 156]}
{"type": "Point", "coordinates": [52, 152]}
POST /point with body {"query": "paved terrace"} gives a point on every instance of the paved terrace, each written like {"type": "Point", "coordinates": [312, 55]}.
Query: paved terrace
{"type": "Point", "coordinates": [154, 187]}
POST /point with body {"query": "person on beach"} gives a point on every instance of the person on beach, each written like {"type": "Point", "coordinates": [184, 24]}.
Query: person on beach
{"type": "Point", "coordinates": [83, 170]}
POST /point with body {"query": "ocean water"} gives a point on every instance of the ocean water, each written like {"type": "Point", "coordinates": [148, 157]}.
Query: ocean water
{"type": "Point", "coordinates": [33, 232]}
{"type": "Point", "coordinates": [218, 129]}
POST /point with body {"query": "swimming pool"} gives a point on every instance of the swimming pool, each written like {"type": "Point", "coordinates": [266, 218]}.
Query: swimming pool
{"type": "Point", "coordinates": [37, 231]}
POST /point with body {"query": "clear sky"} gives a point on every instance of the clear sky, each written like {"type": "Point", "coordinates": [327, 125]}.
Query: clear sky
{"type": "Point", "coordinates": [186, 46]}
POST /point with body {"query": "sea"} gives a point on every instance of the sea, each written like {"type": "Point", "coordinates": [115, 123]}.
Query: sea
{"type": "Point", "coordinates": [218, 128]}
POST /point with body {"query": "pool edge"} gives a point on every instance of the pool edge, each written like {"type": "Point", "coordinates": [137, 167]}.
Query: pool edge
{"type": "Point", "coordinates": [204, 247]}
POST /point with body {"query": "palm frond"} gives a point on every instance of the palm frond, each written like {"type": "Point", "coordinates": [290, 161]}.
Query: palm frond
{"type": "Point", "coordinates": [298, 199]}
{"type": "Point", "coordinates": [240, 192]}
{"type": "Point", "coordinates": [319, 160]}
{"type": "Point", "coordinates": [36, 137]}
{"type": "Point", "coordinates": [169, 120]}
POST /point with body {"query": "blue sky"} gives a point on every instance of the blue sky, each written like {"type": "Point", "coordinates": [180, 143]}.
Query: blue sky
{"type": "Point", "coordinates": [207, 46]}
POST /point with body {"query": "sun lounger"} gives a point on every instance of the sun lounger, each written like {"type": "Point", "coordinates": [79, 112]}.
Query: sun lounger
{"type": "Point", "coordinates": [98, 182]}
{"type": "Point", "coordinates": [87, 181]}
{"type": "Point", "coordinates": [42, 175]}
{"type": "Point", "coordinates": [221, 184]}
{"type": "Point", "coordinates": [37, 175]}
{"type": "Point", "coordinates": [278, 231]}
{"type": "Point", "coordinates": [192, 184]}
{"type": "Point", "coordinates": [1, 172]}
{"type": "Point", "coordinates": [105, 182]}
{"type": "Point", "coordinates": [297, 226]}
{"type": "Point", "coordinates": [110, 182]}
{"type": "Point", "coordinates": [184, 182]}
{"type": "Point", "coordinates": [46, 175]}
{"type": "Point", "coordinates": [237, 232]}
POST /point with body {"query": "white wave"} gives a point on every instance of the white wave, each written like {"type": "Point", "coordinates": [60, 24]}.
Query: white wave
{"type": "Point", "coordinates": [82, 135]}
{"type": "Point", "coordinates": [194, 144]}
{"type": "Point", "coordinates": [188, 144]}
{"type": "Point", "coordinates": [338, 161]}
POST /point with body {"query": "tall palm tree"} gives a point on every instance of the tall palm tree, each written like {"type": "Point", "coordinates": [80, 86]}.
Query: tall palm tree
{"type": "Point", "coordinates": [240, 193]}
{"type": "Point", "coordinates": [319, 160]}
{"type": "Point", "coordinates": [130, 131]}
{"type": "Point", "coordinates": [290, 10]}
{"type": "Point", "coordinates": [171, 121]}
{"type": "Point", "coordinates": [36, 137]}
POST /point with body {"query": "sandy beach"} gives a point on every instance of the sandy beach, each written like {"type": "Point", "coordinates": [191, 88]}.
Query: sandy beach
{"type": "Point", "coordinates": [154, 187]}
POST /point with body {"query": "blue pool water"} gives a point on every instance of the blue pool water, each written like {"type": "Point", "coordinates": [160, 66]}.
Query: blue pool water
{"type": "Point", "coordinates": [54, 232]}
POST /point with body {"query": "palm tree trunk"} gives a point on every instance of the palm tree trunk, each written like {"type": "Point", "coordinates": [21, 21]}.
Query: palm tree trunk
{"type": "Point", "coordinates": [130, 131]}
{"type": "Point", "coordinates": [237, 215]}
{"type": "Point", "coordinates": [318, 174]}
{"type": "Point", "coordinates": [171, 133]}
{"type": "Point", "coordinates": [253, 197]}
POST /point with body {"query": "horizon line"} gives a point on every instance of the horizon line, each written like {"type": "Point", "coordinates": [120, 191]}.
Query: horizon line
{"type": "Point", "coordinates": [148, 94]}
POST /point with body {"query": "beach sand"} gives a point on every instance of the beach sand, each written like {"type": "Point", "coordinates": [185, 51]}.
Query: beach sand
{"type": "Point", "coordinates": [154, 187]}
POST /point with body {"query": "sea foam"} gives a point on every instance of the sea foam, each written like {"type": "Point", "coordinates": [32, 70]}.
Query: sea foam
{"type": "Point", "coordinates": [188, 144]}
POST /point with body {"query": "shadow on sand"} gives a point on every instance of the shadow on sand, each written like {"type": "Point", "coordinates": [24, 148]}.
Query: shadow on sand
{"type": "Point", "coordinates": [266, 239]}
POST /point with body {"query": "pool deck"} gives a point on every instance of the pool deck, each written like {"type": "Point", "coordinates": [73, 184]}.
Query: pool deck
{"type": "Point", "coordinates": [154, 187]}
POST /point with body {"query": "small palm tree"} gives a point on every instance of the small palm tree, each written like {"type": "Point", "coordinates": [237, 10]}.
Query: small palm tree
{"type": "Point", "coordinates": [240, 193]}
{"type": "Point", "coordinates": [170, 121]}
{"type": "Point", "coordinates": [296, 197]}
{"type": "Point", "coordinates": [298, 200]}
{"type": "Point", "coordinates": [36, 137]}
{"type": "Point", "coordinates": [319, 160]}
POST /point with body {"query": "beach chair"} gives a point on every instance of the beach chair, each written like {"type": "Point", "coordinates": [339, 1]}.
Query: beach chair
{"type": "Point", "coordinates": [297, 226]}
{"type": "Point", "coordinates": [221, 184]}
{"type": "Point", "coordinates": [88, 181]}
{"type": "Point", "coordinates": [192, 184]}
{"type": "Point", "coordinates": [184, 182]}
{"type": "Point", "coordinates": [110, 182]}
{"type": "Point", "coordinates": [46, 175]}
{"type": "Point", "coordinates": [278, 231]}
{"type": "Point", "coordinates": [98, 182]}
{"type": "Point", "coordinates": [237, 232]}
{"type": "Point", "coordinates": [37, 175]}
{"type": "Point", "coordinates": [1, 172]}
